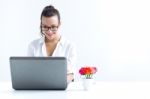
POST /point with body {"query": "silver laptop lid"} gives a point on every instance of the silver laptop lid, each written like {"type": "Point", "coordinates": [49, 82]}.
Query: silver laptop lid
{"type": "Point", "coordinates": [32, 73]}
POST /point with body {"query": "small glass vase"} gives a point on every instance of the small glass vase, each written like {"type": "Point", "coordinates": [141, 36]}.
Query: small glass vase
{"type": "Point", "coordinates": [87, 83]}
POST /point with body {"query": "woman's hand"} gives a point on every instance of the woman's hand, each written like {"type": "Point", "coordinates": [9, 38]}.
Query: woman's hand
{"type": "Point", "coordinates": [70, 77]}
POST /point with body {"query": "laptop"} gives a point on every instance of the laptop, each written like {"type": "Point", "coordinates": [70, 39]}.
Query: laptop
{"type": "Point", "coordinates": [38, 73]}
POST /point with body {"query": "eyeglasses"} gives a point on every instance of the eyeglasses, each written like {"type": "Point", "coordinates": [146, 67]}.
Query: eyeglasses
{"type": "Point", "coordinates": [52, 28]}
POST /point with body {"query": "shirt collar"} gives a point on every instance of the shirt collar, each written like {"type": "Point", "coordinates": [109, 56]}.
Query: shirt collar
{"type": "Point", "coordinates": [42, 39]}
{"type": "Point", "coordinates": [62, 40]}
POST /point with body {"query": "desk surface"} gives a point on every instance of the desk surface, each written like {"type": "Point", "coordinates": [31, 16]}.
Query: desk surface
{"type": "Point", "coordinates": [100, 90]}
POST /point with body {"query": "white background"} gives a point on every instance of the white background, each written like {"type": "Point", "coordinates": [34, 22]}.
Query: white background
{"type": "Point", "coordinates": [110, 34]}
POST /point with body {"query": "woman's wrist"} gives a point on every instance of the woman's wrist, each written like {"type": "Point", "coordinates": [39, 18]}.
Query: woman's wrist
{"type": "Point", "coordinates": [70, 77]}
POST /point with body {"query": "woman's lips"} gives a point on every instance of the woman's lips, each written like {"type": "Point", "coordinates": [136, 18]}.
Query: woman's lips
{"type": "Point", "coordinates": [49, 34]}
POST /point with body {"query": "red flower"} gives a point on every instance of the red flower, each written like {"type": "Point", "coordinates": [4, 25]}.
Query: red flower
{"type": "Point", "coordinates": [88, 71]}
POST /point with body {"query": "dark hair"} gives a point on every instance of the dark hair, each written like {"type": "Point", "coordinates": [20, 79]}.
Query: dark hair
{"type": "Point", "coordinates": [50, 11]}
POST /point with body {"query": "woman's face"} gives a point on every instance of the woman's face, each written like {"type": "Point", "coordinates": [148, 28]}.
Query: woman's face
{"type": "Point", "coordinates": [49, 27]}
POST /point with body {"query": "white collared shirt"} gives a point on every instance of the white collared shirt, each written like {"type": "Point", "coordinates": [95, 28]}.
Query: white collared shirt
{"type": "Point", "coordinates": [64, 48]}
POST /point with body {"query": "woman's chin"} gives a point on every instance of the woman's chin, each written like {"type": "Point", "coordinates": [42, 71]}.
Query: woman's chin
{"type": "Point", "coordinates": [50, 38]}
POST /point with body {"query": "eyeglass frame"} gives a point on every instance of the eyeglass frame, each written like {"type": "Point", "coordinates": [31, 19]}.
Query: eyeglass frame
{"type": "Point", "coordinates": [46, 28]}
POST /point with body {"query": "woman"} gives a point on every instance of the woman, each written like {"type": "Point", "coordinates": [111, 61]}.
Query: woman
{"type": "Point", "coordinates": [52, 43]}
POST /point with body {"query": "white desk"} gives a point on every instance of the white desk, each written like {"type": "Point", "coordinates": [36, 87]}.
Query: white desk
{"type": "Point", "coordinates": [101, 90]}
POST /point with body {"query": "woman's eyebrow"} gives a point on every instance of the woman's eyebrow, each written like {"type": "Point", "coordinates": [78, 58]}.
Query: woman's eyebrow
{"type": "Point", "coordinates": [49, 26]}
